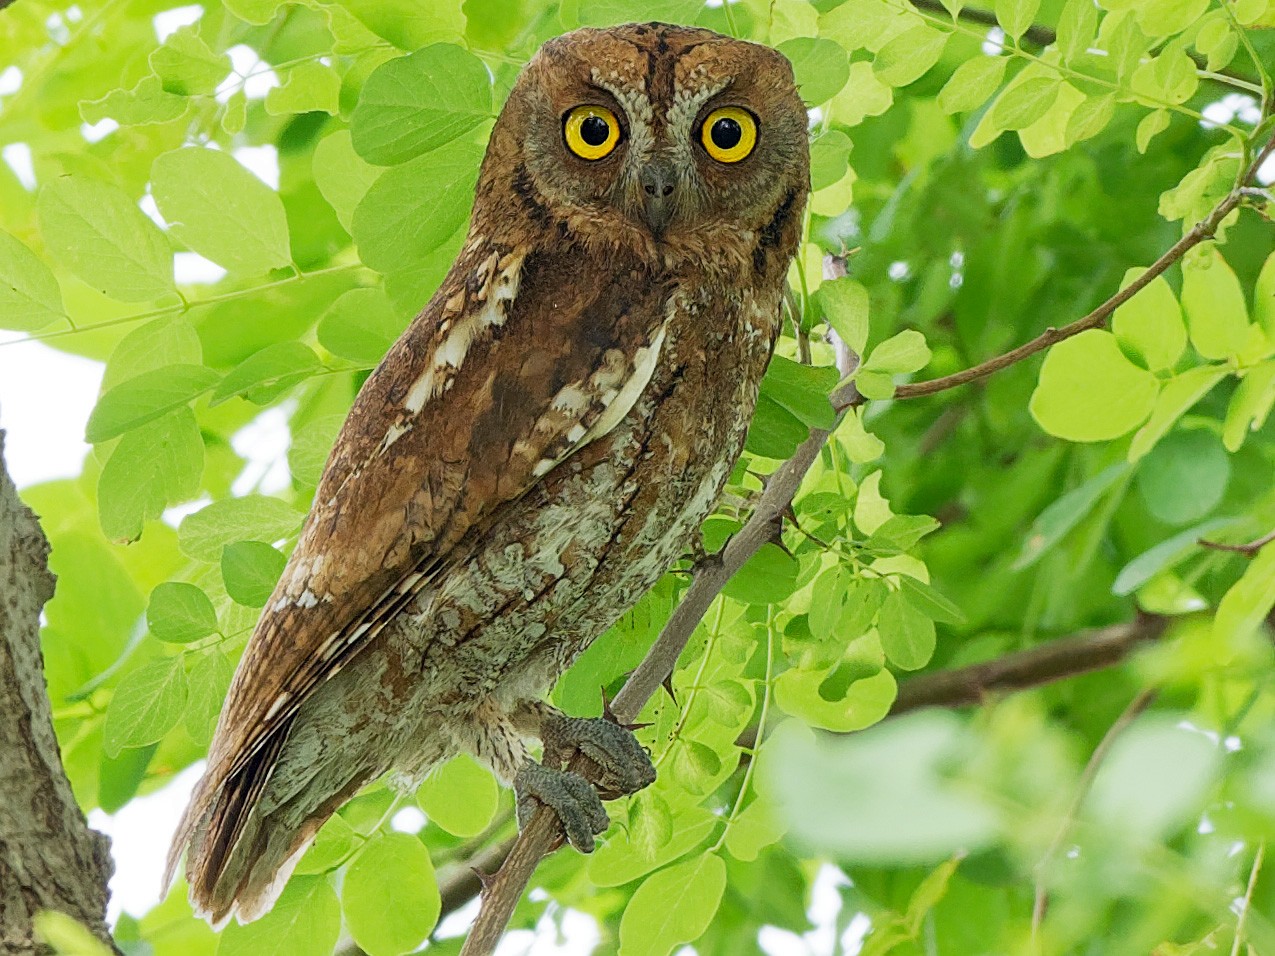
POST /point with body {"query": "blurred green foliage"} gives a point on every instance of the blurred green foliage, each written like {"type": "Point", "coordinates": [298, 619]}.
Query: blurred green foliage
{"type": "Point", "coordinates": [988, 172]}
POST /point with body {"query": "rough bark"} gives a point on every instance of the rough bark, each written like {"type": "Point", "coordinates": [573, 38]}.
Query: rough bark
{"type": "Point", "coordinates": [49, 858]}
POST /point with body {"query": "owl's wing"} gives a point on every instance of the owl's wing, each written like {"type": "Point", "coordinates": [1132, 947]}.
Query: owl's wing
{"type": "Point", "coordinates": [516, 362]}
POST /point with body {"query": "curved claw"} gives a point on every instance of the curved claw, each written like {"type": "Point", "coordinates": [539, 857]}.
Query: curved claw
{"type": "Point", "coordinates": [570, 796]}
{"type": "Point", "coordinates": [623, 766]}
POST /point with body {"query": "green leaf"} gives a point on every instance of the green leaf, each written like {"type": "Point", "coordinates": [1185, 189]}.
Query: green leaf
{"type": "Point", "coordinates": [1015, 16]}
{"type": "Point", "coordinates": [306, 919]}
{"type": "Point", "coordinates": [650, 824]}
{"type": "Point", "coordinates": [1250, 405]}
{"type": "Point", "coordinates": [884, 797]}
{"type": "Point", "coordinates": [1154, 780]}
{"type": "Point", "coordinates": [202, 535]}
{"type": "Point", "coordinates": [768, 577]}
{"type": "Point", "coordinates": [907, 632]}
{"type": "Point", "coordinates": [413, 209]}
{"type": "Point", "coordinates": [145, 398]}
{"type": "Point", "coordinates": [821, 67]}
{"type": "Point", "coordinates": [1215, 311]}
{"type": "Point", "coordinates": [1178, 395]}
{"type": "Point", "coordinates": [1243, 608]}
{"type": "Point", "coordinates": [409, 24]}
{"type": "Point", "coordinates": [930, 601]}
{"type": "Point", "coordinates": [1088, 390]}
{"type": "Point", "coordinates": [1185, 476]}
{"type": "Point", "coordinates": [29, 294]}
{"type": "Point", "coordinates": [672, 906]}
{"type": "Point", "coordinates": [1169, 77]}
{"type": "Point", "coordinates": [774, 432]}
{"type": "Point", "coordinates": [180, 613]}
{"type": "Point", "coordinates": [221, 210]}
{"type": "Point", "coordinates": [1264, 297]}
{"type": "Point", "coordinates": [1164, 555]}
{"type": "Point", "coordinates": [972, 83]}
{"type": "Point", "coordinates": [97, 231]}
{"type": "Point", "coordinates": [1077, 28]}
{"type": "Point", "coordinates": [1024, 103]}
{"type": "Point", "coordinates": [899, 354]}
{"type": "Point", "coordinates": [265, 375]}
{"type": "Point", "coordinates": [209, 682]}
{"type": "Point", "coordinates": [910, 55]}
{"type": "Point", "coordinates": [829, 160]}
{"type": "Point", "coordinates": [802, 389]}
{"type": "Point", "coordinates": [760, 825]}
{"type": "Point", "coordinates": [900, 532]}
{"type": "Point", "coordinates": [251, 569]}
{"type": "Point", "coordinates": [1162, 18]}
{"type": "Point", "coordinates": [147, 102]}
{"type": "Point", "coordinates": [390, 896]}
{"type": "Point", "coordinates": [186, 65]}
{"type": "Point", "coordinates": [1065, 513]}
{"type": "Point", "coordinates": [1151, 126]}
{"type": "Point", "coordinates": [153, 466]}
{"type": "Point", "coordinates": [1090, 117]}
{"type": "Point", "coordinates": [460, 796]}
{"type": "Point", "coordinates": [309, 87]}
{"type": "Point", "coordinates": [1150, 324]}
{"type": "Point", "coordinates": [844, 305]}
{"type": "Point", "coordinates": [413, 104]}
{"type": "Point", "coordinates": [146, 705]}
{"type": "Point", "coordinates": [863, 703]}
{"type": "Point", "coordinates": [361, 326]}
{"type": "Point", "coordinates": [168, 341]}
{"type": "Point", "coordinates": [334, 843]}
{"type": "Point", "coordinates": [871, 509]}
{"type": "Point", "coordinates": [342, 175]}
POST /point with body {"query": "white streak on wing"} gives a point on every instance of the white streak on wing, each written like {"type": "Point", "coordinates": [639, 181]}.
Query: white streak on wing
{"type": "Point", "coordinates": [394, 433]}
{"type": "Point", "coordinates": [308, 599]}
{"type": "Point", "coordinates": [543, 467]}
{"type": "Point", "coordinates": [278, 704]}
{"type": "Point", "coordinates": [576, 433]}
{"type": "Point", "coordinates": [460, 338]}
{"type": "Point", "coordinates": [644, 363]}
{"type": "Point", "coordinates": [422, 390]}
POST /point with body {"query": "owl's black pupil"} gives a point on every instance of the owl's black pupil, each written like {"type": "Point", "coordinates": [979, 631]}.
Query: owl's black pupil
{"type": "Point", "coordinates": [726, 133]}
{"type": "Point", "coordinates": [595, 130]}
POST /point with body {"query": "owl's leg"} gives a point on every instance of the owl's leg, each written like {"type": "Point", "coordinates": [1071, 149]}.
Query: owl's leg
{"type": "Point", "coordinates": [616, 763]}
{"type": "Point", "coordinates": [497, 741]}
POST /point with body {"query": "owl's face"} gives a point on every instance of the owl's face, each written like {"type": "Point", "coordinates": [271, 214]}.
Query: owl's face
{"type": "Point", "coordinates": [674, 133]}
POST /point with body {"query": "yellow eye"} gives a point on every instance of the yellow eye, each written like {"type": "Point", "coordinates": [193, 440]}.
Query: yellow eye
{"type": "Point", "coordinates": [591, 132]}
{"type": "Point", "coordinates": [729, 134]}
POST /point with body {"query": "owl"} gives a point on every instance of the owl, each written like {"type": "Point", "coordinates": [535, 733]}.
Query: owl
{"type": "Point", "coordinates": [528, 459]}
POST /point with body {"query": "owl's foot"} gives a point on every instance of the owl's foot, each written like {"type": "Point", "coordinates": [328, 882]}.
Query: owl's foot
{"type": "Point", "coordinates": [570, 796]}
{"type": "Point", "coordinates": [617, 764]}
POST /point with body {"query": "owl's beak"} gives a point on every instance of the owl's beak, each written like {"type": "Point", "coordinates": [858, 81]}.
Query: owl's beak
{"type": "Point", "coordinates": [659, 185]}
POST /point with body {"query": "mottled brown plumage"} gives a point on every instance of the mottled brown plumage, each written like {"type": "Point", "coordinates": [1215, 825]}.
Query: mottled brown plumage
{"type": "Point", "coordinates": [527, 460]}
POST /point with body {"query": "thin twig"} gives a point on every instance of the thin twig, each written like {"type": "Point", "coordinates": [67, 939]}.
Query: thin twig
{"type": "Point", "coordinates": [1128, 716]}
{"type": "Point", "coordinates": [1242, 916]}
{"type": "Point", "coordinates": [1248, 550]}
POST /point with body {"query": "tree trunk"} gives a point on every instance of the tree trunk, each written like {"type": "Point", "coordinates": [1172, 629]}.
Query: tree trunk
{"type": "Point", "coordinates": [49, 858]}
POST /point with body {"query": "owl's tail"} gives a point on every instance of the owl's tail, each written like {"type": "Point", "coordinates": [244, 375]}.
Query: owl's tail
{"type": "Point", "coordinates": [241, 845]}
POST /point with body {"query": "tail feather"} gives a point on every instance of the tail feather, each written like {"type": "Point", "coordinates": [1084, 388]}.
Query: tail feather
{"type": "Point", "coordinates": [241, 847]}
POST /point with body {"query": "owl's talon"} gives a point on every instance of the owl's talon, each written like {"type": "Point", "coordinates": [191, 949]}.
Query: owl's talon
{"type": "Point", "coordinates": [570, 796]}
{"type": "Point", "coordinates": [623, 765]}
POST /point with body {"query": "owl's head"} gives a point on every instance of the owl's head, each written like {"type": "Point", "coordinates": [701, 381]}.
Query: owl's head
{"type": "Point", "coordinates": [653, 134]}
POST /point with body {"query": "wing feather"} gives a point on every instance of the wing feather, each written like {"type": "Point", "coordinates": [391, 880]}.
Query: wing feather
{"type": "Point", "coordinates": [516, 363]}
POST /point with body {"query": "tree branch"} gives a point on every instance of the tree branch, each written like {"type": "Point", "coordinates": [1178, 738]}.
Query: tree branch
{"type": "Point", "coordinates": [49, 858]}
{"type": "Point", "coordinates": [1044, 664]}
{"type": "Point", "coordinates": [1204, 229]}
